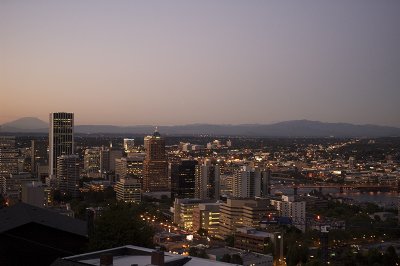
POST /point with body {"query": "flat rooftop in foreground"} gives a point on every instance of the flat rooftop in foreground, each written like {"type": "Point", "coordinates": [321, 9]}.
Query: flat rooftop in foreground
{"type": "Point", "coordinates": [129, 255]}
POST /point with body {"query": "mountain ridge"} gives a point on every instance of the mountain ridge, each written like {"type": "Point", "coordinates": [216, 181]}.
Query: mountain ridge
{"type": "Point", "coordinates": [292, 128]}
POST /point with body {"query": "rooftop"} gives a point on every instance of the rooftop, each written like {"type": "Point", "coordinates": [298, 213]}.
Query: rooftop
{"type": "Point", "coordinates": [129, 255]}
{"type": "Point", "coordinates": [22, 213]}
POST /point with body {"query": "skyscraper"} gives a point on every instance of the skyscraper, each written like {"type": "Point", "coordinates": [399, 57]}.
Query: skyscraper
{"type": "Point", "coordinates": [68, 174]}
{"type": "Point", "coordinates": [61, 139]}
{"type": "Point", "coordinates": [250, 182]}
{"type": "Point", "coordinates": [8, 156]}
{"type": "Point", "coordinates": [155, 166]}
{"type": "Point", "coordinates": [207, 180]}
{"type": "Point", "coordinates": [183, 179]}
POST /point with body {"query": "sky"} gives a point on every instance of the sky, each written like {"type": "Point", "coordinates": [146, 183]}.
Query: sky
{"type": "Point", "coordinates": [183, 62]}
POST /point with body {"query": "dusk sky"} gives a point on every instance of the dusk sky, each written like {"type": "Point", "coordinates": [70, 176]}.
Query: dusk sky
{"type": "Point", "coordinates": [183, 62]}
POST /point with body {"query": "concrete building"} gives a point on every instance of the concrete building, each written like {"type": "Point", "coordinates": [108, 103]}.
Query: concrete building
{"type": "Point", "coordinates": [296, 210]}
{"type": "Point", "coordinates": [250, 182]}
{"type": "Point", "coordinates": [207, 178]}
{"type": "Point", "coordinates": [128, 190]}
{"type": "Point", "coordinates": [131, 167]}
{"type": "Point", "coordinates": [183, 211]}
{"type": "Point", "coordinates": [68, 174]}
{"type": "Point", "coordinates": [12, 186]}
{"type": "Point", "coordinates": [61, 140]}
{"type": "Point", "coordinates": [134, 255]}
{"type": "Point", "coordinates": [155, 166]}
{"type": "Point", "coordinates": [206, 216]}
{"type": "Point", "coordinates": [248, 258]}
{"type": "Point", "coordinates": [236, 213]}
{"type": "Point", "coordinates": [108, 155]}
{"type": "Point", "coordinates": [248, 238]}
{"type": "Point", "coordinates": [33, 194]}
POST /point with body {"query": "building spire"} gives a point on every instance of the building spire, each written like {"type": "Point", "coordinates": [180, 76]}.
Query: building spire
{"type": "Point", "coordinates": [156, 133]}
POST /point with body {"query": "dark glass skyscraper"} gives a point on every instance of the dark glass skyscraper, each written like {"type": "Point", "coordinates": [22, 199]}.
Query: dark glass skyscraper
{"type": "Point", "coordinates": [183, 179]}
{"type": "Point", "coordinates": [61, 139]}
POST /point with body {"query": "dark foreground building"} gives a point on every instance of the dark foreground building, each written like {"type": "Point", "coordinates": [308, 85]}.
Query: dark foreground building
{"type": "Point", "coordinates": [35, 236]}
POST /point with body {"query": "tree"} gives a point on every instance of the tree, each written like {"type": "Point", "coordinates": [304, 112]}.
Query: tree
{"type": "Point", "coordinates": [230, 240]}
{"type": "Point", "coordinates": [226, 258]}
{"type": "Point", "coordinates": [120, 225]}
{"type": "Point", "coordinates": [296, 254]}
{"type": "Point", "coordinates": [2, 201]}
{"type": "Point", "coordinates": [390, 257]}
{"type": "Point", "coordinates": [236, 259]}
{"type": "Point", "coordinates": [374, 256]}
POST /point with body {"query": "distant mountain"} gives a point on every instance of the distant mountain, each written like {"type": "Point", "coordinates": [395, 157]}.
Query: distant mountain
{"type": "Point", "coordinates": [25, 124]}
{"type": "Point", "coordinates": [295, 128]}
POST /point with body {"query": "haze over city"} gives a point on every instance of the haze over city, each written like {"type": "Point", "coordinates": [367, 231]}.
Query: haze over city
{"type": "Point", "coordinates": [183, 62]}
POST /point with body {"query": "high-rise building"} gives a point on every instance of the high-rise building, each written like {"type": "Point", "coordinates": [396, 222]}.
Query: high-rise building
{"type": "Point", "coordinates": [155, 166]}
{"type": "Point", "coordinates": [108, 157]}
{"type": "Point", "coordinates": [68, 174]}
{"type": "Point", "coordinates": [183, 179]}
{"type": "Point", "coordinates": [250, 182]}
{"type": "Point", "coordinates": [131, 167]}
{"type": "Point", "coordinates": [207, 181]}
{"type": "Point", "coordinates": [128, 190]}
{"type": "Point", "coordinates": [8, 156]}
{"type": "Point", "coordinates": [61, 139]}
{"type": "Point", "coordinates": [129, 145]}
{"type": "Point", "coordinates": [91, 162]}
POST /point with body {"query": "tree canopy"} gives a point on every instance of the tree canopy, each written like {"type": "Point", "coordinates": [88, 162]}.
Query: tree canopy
{"type": "Point", "coordinates": [120, 225]}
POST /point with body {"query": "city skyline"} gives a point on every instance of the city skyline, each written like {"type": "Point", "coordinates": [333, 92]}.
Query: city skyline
{"type": "Point", "coordinates": [228, 62]}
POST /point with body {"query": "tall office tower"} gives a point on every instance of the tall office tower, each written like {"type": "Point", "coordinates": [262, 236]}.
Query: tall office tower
{"type": "Point", "coordinates": [61, 139]}
{"type": "Point", "coordinates": [155, 166]}
{"type": "Point", "coordinates": [68, 174]}
{"type": "Point", "coordinates": [128, 190]}
{"type": "Point", "coordinates": [91, 163]}
{"type": "Point", "coordinates": [8, 156]}
{"type": "Point", "coordinates": [207, 178]}
{"type": "Point", "coordinates": [183, 179]}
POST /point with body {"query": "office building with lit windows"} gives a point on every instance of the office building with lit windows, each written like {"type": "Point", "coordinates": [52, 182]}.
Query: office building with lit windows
{"type": "Point", "coordinates": [68, 174]}
{"type": "Point", "coordinates": [206, 216]}
{"type": "Point", "coordinates": [8, 156]}
{"type": "Point", "coordinates": [128, 190]}
{"type": "Point", "coordinates": [155, 166]}
{"type": "Point", "coordinates": [61, 139]}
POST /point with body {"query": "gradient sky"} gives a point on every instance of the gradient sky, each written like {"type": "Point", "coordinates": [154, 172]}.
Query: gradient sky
{"type": "Point", "coordinates": [181, 62]}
